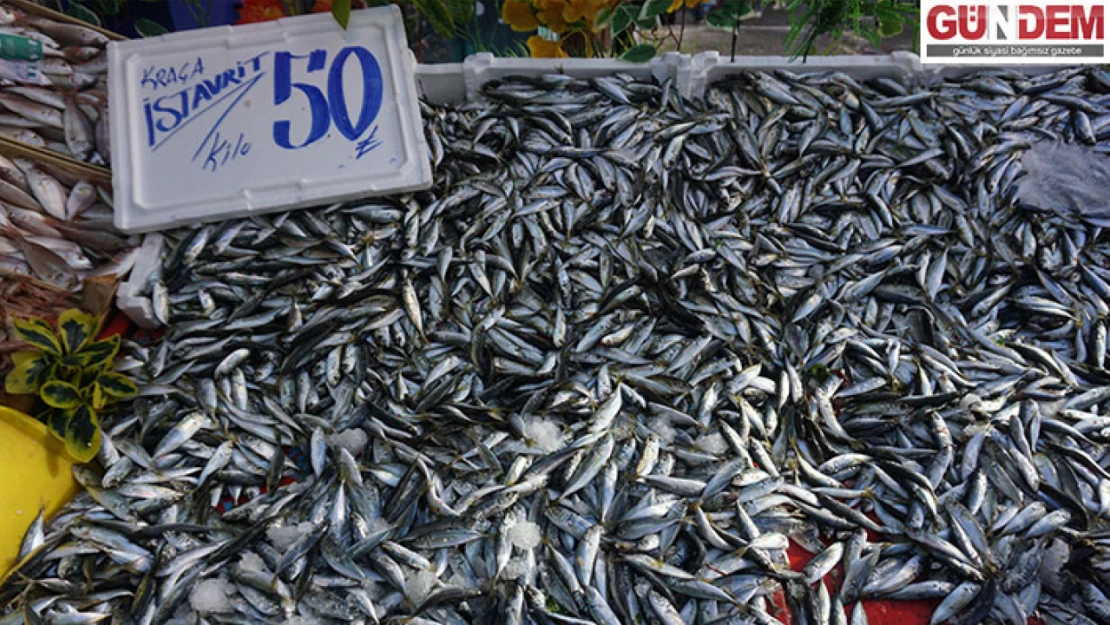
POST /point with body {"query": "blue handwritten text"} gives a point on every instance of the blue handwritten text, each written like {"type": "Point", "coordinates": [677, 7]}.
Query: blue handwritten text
{"type": "Point", "coordinates": [368, 144]}
{"type": "Point", "coordinates": [222, 151]}
{"type": "Point", "coordinates": [166, 114]}
{"type": "Point", "coordinates": [155, 76]}
{"type": "Point", "coordinates": [328, 105]}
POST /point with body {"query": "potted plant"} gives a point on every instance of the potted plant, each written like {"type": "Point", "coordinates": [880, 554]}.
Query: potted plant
{"type": "Point", "coordinates": [69, 373]}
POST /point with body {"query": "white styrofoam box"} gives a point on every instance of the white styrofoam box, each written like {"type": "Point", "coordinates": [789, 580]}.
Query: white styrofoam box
{"type": "Point", "coordinates": [481, 68]}
{"type": "Point", "coordinates": [230, 121]}
{"type": "Point", "coordinates": [129, 298]}
{"type": "Point", "coordinates": [706, 68]}
{"type": "Point", "coordinates": [930, 73]}
{"type": "Point", "coordinates": [459, 82]}
{"type": "Point", "coordinates": [441, 83]}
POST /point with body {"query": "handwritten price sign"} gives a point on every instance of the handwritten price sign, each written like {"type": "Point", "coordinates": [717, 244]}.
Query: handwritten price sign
{"type": "Point", "coordinates": [226, 122]}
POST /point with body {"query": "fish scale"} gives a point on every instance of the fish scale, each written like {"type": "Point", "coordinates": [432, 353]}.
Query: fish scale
{"type": "Point", "coordinates": [775, 360]}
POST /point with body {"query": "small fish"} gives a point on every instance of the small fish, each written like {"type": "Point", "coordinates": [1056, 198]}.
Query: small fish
{"type": "Point", "coordinates": [631, 348]}
{"type": "Point", "coordinates": [80, 198]}
{"type": "Point", "coordinates": [33, 538]}
{"type": "Point", "coordinates": [79, 133]}
{"type": "Point", "coordinates": [181, 433]}
{"type": "Point", "coordinates": [49, 193]}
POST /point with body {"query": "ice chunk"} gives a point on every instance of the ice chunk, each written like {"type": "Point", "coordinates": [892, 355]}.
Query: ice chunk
{"type": "Point", "coordinates": [544, 434]}
{"type": "Point", "coordinates": [712, 444]}
{"type": "Point", "coordinates": [525, 535]}
{"type": "Point", "coordinates": [211, 596]}
{"type": "Point", "coordinates": [377, 525]}
{"type": "Point", "coordinates": [662, 427]}
{"type": "Point", "coordinates": [283, 537]}
{"type": "Point", "coordinates": [251, 562]}
{"type": "Point", "coordinates": [514, 569]}
{"type": "Point", "coordinates": [353, 440]}
{"type": "Point", "coordinates": [373, 590]}
{"type": "Point", "coordinates": [419, 586]}
{"type": "Point", "coordinates": [970, 400]}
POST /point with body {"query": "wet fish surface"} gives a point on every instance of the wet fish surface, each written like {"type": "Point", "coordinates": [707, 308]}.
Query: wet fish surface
{"type": "Point", "coordinates": [626, 350]}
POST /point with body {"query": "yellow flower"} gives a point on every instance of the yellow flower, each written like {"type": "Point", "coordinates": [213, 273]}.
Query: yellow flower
{"type": "Point", "coordinates": [518, 15]}
{"type": "Point", "coordinates": [551, 14]}
{"type": "Point", "coordinates": [544, 49]}
{"type": "Point", "coordinates": [690, 4]}
{"type": "Point", "coordinates": [581, 9]}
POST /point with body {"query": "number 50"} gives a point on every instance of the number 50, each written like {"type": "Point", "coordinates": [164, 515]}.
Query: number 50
{"type": "Point", "coordinates": [333, 106]}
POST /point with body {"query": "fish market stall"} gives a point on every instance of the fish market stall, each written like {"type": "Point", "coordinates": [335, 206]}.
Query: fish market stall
{"type": "Point", "coordinates": [58, 238]}
{"type": "Point", "coordinates": [685, 342]}
{"type": "Point", "coordinates": [55, 96]}
{"type": "Point", "coordinates": [58, 248]}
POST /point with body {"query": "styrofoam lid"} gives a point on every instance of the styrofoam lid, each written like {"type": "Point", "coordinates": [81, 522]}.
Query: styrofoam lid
{"type": "Point", "coordinates": [230, 121]}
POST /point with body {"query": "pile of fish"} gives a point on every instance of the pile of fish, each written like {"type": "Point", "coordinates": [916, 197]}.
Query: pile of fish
{"type": "Point", "coordinates": [626, 350]}
{"type": "Point", "coordinates": [56, 231]}
{"type": "Point", "coordinates": [56, 227]}
{"type": "Point", "coordinates": [62, 105]}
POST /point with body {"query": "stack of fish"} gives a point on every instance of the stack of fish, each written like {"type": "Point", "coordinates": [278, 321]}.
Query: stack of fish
{"type": "Point", "coordinates": [626, 350]}
{"type": "Point", "coordinates": [57, 227]}
{"type": "Point", "coordinates": [64, 109]}
{"type": "Point", "coordinates": [56, 231]}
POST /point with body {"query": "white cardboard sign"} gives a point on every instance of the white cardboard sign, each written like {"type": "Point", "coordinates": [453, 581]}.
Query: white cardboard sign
{"type": "Point", "coordinates": [231, 121]}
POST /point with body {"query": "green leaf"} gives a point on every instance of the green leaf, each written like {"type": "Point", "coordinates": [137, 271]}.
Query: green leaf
{"type": "Point", "coordinates": [76, 328]}
{"type": "Point", "coordinates": [149, 28]}
{"type": "Point", "coordinates": [721, 19]}
{"type": "Point", "coordinates": [97, 353]}
{"type": "Point", "coordinates": [58, 394]}
{"type": "Point", "coordinates": [95, 396]}
{"type": "Point", "coordinates": [82, 434]}
{"type": "Point", "coordinates": [437, 16]}
{"type": "Point", "coordinates": [641, 53]}
{"type": "Point", "coordinates": [647, 23]}
{"type": "Point", "coordinates": [117, 385]}
{"type": "Point", "coordinates": [55, 420]}
{"type": "Point", "coordinates": [654, 8]}
{"type": "Point", "coordinates": [890, 20]}
{"type": "Point", "coordinates": [31, 368]}
{"type": "Point", "coordinates": [623, 16]}
{"type": "Point", "coordinates": [39, 334]}
{"type": "Point", "coordinates": [891, 26]}
{"type": "Point", "coordinates": [83, 13]}
{"type": "Point", "coordinates": [870, 34]}
{"type": "Point", "coordinates": [728, 14]}
{"type": "Point", "coordinates": [738, 8]}
{"type": "Point", "coordinates": [341, 11]}
{"type": "Point", "coordinates": [603, 17]}
{"type": "Point", "coordinates": [85, 378]}
{"type": "Point", "coordinates": [462, 11]}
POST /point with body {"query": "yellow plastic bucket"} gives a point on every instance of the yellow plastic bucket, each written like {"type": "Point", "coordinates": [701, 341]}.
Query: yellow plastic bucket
{"type": "Point", "coordinates": [34, 471]}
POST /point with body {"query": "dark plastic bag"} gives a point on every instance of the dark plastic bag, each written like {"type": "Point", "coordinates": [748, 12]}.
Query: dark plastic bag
{"type": "Point", "coordinates": [1070, 180]}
